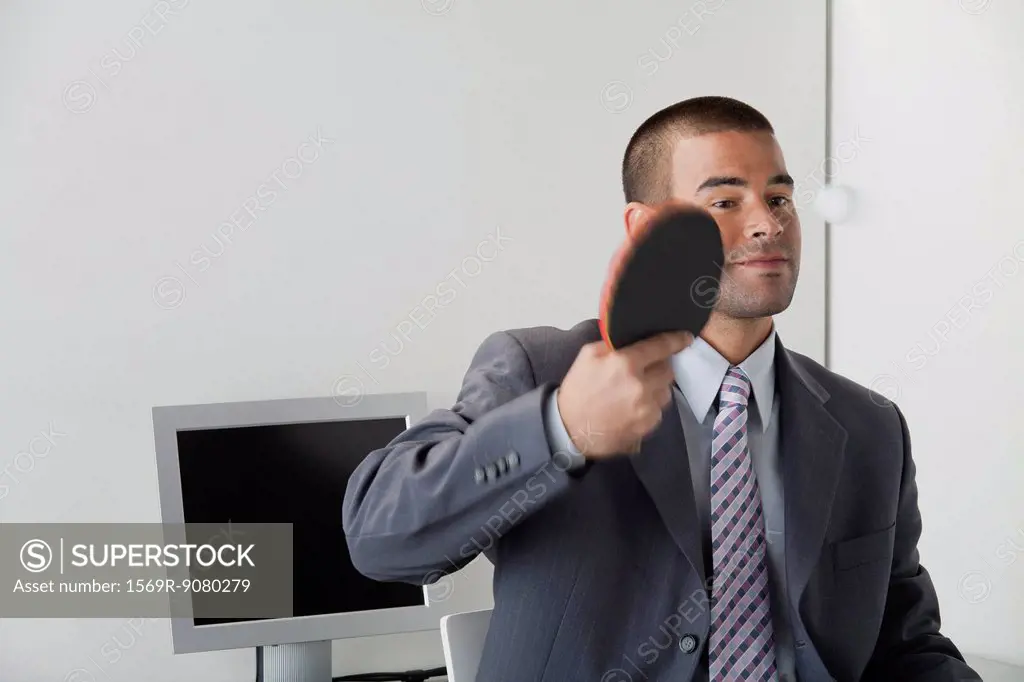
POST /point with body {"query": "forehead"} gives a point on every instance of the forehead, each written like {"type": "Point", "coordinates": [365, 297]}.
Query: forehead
{"type": "Point", "coordinates": [755, 157]}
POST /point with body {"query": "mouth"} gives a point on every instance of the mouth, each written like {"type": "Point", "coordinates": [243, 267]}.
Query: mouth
{"type": "Point", "coordinates": [767, 262]}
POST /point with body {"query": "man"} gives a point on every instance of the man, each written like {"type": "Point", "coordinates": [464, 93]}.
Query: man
{"type": "Point", "coordinates": [765, 529]}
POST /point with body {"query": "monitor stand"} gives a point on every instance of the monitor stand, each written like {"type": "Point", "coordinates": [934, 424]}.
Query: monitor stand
{"type": "Point", "coordinates": [302, 662]}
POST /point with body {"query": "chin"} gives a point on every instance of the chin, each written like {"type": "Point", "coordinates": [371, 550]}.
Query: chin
{"type": "Point", "coordinates": [754, 307]}
{"type": "Point", "coordinates": [757, 314]}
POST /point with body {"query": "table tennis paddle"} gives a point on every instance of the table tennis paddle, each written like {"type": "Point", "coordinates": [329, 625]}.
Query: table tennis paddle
{"type": "Point", "coordinates": [664, 279]}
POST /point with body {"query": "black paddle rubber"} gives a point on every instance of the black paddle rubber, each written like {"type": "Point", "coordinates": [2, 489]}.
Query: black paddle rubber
{"type": "Point", "coordinates": [669, 279]}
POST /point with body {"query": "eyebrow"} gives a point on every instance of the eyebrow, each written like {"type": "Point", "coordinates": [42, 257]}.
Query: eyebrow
{"type": "Point", "coordinates": [732, 181]}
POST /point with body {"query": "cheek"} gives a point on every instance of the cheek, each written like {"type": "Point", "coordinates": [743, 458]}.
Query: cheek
{"type": "Point", "coordinates": [788, 217]}
{"type": "Point", "coordinates": [792, 226]}
{"type": "Point", "coordinates": [790, 223]}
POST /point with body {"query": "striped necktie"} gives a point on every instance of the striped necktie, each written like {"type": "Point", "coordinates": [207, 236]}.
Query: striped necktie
{"type": "Point", "coordinates": [742, 641]}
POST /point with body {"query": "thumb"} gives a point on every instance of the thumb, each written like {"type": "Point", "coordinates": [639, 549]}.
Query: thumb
{"type": "Point", "coordinates": [597, 348]}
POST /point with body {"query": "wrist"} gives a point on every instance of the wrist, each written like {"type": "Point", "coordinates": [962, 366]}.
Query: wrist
{"type": "Point", "coordinates": [564, 453]}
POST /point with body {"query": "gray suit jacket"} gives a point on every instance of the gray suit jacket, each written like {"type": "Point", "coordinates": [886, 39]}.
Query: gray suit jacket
{"type": "Point", "coordinates": [599, 574]}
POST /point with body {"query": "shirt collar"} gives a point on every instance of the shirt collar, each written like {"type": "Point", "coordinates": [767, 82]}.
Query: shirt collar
{"type": "Point", "coordinates": [700, 370]}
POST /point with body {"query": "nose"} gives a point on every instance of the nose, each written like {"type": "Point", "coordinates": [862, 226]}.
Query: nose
{"type": "Point", "coordinates": [763, 224]}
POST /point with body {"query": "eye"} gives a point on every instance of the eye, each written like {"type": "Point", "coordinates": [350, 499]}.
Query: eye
{"type": "Point", "coordinates": [724, 203]}
{"type": "Point", "coordinates": [780, 201]}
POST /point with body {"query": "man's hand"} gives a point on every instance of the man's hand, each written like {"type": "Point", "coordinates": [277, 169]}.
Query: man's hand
{"type": "Point", "coordinates": [611, 399]}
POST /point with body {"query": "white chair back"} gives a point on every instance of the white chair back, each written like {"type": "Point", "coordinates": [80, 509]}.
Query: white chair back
{"type": "Point", "coordinates": [462, 636]}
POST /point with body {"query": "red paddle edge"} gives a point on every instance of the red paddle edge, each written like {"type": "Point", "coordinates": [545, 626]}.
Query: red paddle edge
{"type": "Point", "coordinates": [615, 267]}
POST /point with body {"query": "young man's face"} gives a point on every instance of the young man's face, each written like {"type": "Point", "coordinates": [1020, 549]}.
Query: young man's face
{"type": "Point", "coordinates": [741, 180]}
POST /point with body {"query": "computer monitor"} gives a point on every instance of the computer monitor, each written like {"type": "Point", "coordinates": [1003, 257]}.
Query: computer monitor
{"type": "Point", "coordinates": [288, 461]}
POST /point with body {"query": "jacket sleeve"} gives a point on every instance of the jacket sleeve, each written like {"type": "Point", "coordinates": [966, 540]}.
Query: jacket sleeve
{"type": "Point", "coordinates": [910, 647]}
{"type": "Point", "coordinates": [451, 485]}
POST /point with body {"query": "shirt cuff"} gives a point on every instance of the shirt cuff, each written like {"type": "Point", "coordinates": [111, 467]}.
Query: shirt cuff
{"type": "Point", "coordinates": [561, 444]}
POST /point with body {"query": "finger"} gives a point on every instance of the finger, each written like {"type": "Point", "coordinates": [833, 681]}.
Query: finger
{"type": "Point", "coordinates": [658, 375]}
{"type": "Point", "coordinates": [646, 352]}
{"type": "Point", "coordinates": [658, 399]}
{"type": "Point", "coordinates": [663, 396]}
{"type": "Point", "coordinates": [647, 423]}
{"type": "Point", "coordinates": [595, 349]}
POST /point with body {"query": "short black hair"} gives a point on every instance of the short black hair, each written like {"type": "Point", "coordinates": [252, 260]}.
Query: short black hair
{"type": "Point", "coordinates": [647, 163]}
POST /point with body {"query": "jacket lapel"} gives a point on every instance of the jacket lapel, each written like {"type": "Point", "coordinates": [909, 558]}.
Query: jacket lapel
{"type": "Point", "coordinates": [812, 447]}
{"type": "Point", "coordinates": [663, 467]}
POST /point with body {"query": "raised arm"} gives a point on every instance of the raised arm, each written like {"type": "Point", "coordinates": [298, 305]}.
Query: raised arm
{"type": "Point", "coordinates": [447, 488]}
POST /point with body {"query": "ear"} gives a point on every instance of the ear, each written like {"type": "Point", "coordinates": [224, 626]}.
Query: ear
{"type": "Point", "coordinates": [636, 216]}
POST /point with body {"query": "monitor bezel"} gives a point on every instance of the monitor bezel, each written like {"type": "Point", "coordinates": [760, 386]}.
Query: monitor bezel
{"type": "Point", "coordinates": [170, 419]}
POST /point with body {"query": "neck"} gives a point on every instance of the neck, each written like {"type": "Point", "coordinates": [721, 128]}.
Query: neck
{"type": "Point", "coordinates": [736, 338]}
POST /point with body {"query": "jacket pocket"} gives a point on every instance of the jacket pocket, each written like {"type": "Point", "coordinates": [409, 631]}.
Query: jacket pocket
{"type": "Point", "coordinates": [864, 549]}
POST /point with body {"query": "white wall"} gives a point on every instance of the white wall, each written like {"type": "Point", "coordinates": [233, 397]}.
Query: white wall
{"type": "Point", "coordinates": [448, 122]}
{"type": "Point", "coordinates": [927, 281]}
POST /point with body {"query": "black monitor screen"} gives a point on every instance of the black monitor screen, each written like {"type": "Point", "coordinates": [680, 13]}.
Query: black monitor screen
{"type": "Point", "coordinates": [292, 473]}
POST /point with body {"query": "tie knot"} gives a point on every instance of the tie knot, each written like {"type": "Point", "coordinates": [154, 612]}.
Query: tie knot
{"type": "Point", "coordinates": [735, 388]}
